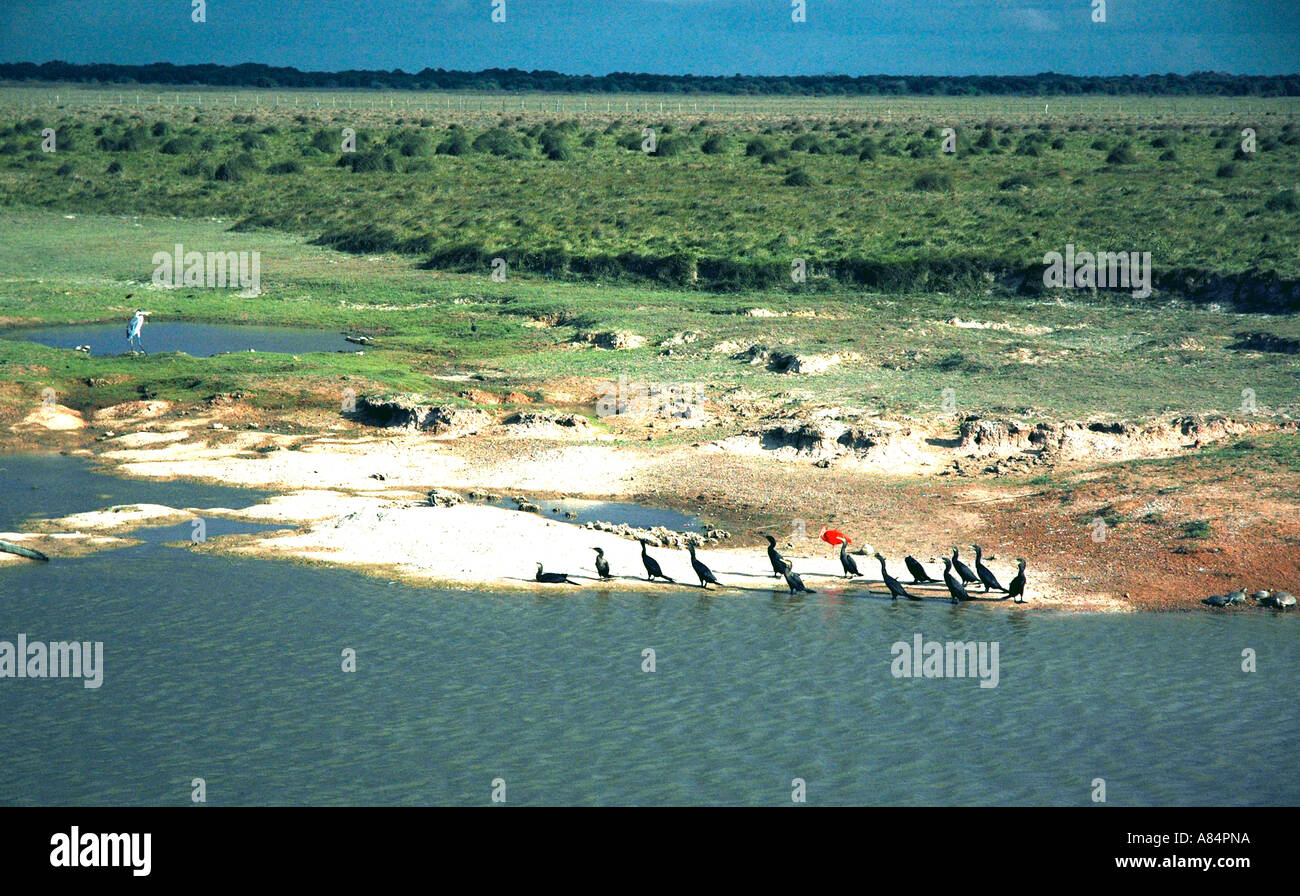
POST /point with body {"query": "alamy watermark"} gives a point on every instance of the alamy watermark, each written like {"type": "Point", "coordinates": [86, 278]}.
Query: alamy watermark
{"type": "Point", "coordinates": [211, 269]}
{"type": "Point", "coordinates": [637, 399]}
{"type": "Point", "coordinates": [951, 659]}
{"type": "Point", "coordinates": [53, 659]}
{"type": "Point", "coordinates": [1103, 270]}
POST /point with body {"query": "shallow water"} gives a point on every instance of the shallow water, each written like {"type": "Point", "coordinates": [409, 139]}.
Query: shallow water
{"type": "Point", "coordinates": [230, 671]}
{"type": "Point", "coordinates": [196, 340]}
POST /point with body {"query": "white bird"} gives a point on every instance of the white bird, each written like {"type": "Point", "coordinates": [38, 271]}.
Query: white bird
{"type": "Point", "coordinates": [133, 329]}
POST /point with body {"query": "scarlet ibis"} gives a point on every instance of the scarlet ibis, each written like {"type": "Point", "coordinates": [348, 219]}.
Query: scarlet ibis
{"type": "Point", "coordinates": [834, 536]}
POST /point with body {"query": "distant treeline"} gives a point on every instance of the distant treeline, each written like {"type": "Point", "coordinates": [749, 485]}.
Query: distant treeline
{"type": "Point", "coordinates": [495, 79]}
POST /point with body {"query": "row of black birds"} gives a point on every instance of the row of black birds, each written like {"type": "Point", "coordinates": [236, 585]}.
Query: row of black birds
{"type": "Point", "coordinates": [956, 574]}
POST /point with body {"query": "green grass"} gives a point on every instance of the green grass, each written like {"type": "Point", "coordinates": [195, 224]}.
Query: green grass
{"type": "Point", "coordinates": [1104, 357]}
{"type": "Point", "coordinates": [561, 196]}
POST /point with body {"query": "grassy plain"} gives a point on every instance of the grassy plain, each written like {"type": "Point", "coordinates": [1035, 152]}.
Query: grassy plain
{"type": "Point", "coordinates": [909, 253]}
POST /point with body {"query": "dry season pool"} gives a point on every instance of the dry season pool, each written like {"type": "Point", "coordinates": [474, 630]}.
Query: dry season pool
{"type": "Point", "coordinates": [232, 671]}
{"type": "Point", "coordinates": [196, 340]}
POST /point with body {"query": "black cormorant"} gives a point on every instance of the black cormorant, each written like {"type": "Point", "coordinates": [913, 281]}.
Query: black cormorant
{"type": "Point", "coordinates": [652, 569]}
{"type": "Point", "coordinates": [792, 579]}
{"type": "Point", "coordinates": [602, 565]}
{"type": "Point", "coordinates": [705, 574]}
{"type": "Point", "coordinates": [553, 578]}
{"type": "Point", "coordinates": [1017, 590]}
{"type": "Point", "coordinates": [919, 575]}
{"type": "Point", "coordinates": [778, 562]}
{"type": "Point", "coordinates": [987, 579]}
{"type": "Point", "coordinates": [850, 567]}
{"type": "Point", "coordinates": [896, 589]}
{"type": "Point", "coordinates": [967, 577]}
{"type": "Point", "coordinates": [955, 588]}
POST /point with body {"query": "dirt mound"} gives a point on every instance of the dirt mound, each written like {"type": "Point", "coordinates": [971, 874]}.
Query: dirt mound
{"type": "Point", "coordinates": [132, 410]}
{"type": "Point", "coordinates": [826, 439]}
{"type": "Point", "coordinates": [614, 341]}
{"type": "Point", "coordinates": [536, 424]}
{"type": "Point", "coordinates": [1097, 438]}
{"type": "Point", "coordinates": [406, 414]}
{"type": "Point", "coordinates": [780, 361]}
{"type": "Point", "coordinates": [54, 417]}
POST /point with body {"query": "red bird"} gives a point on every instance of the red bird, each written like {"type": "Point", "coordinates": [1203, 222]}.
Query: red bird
{"type": "Point", "coordinates": [834, 536]}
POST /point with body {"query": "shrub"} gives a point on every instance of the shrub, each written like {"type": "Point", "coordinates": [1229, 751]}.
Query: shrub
{"type": "Point", "coordinates": [500, 142]}
{"type": "Point", "coordinates": [674, 147]}
{"type": "Point", "coordinates": [292, 166]}
{"type": "Point", "coordinates": [327, 141]}
{"type": "Point", "coordinates": [373, 159]}
{"type": "Point", "coordinates": [1016, 181]}
{"type": "Point", "coordinates": [1122, 154]}
{"type": "Point", "coordinates": [809, 143]}
{"type": "Point", "coordinates": [410, 143]}
{"type": "Point", "coordinates": [933, 181]}
{"type": "Point", "coordinates": [1169, 156]}
{"type": "Point", "coordinates": [361, 240]}
{"type": "Point", "coordinates": [919, 149]}
{"type": "Point", "coordinates": [757, 147]}
{"type": "Point", "coordinates": [64, 170]}
{"type": "Point", "coordinates": [236, 168]}
{"type": "Point", "coordinates": [1227, 169]}
{"type": "Point", "coordinates": [798, 178]}
{"type": "Point", "coordinates": [178, 146]}
{"type": "Point", "coordinates": [456, 144]}
{"type": "Point", "coordinates": [714, 145]}
{"type": "Point", "coordinates": [115, 167]}
{"type": "Point", "coordinates": [1282, 202]}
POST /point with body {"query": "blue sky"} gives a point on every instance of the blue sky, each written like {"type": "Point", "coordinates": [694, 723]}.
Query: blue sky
{"type": "Point", "coordinates": [940, 37]}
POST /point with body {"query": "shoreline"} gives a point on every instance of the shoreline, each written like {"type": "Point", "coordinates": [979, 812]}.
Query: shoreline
{"type": "Point", "coordinates": [357, 499]}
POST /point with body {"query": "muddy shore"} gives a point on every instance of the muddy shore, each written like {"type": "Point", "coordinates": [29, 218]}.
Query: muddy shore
{"type": "Point", "coordinates": [354, 494]}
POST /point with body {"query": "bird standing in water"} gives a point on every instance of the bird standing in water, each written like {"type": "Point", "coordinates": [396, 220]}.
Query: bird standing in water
{"type": "Point", "coordinates": [955, 588]}
{"type": "Point", "coordinates": [896, 589]}
{"type": "Point", "coordinates": [134, 328]}
{"type": "Point", "coordinates": [792, 579]}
